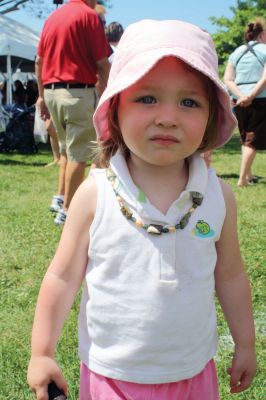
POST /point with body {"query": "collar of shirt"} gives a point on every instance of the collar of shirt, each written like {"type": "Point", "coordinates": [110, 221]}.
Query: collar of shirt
{"type": "Point", "coordinates": [197, 182]}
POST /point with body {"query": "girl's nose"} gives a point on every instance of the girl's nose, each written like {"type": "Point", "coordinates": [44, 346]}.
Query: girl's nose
{"type": "Point", "coordinates": [167, 116]}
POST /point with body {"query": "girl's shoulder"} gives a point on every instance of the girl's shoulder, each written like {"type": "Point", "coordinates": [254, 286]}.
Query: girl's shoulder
{"type": "Point", "coordinates": [85, 198]}
{"type": "Point", "coordinates": [92, 188]}
{"type": "Point", "coordinates": [96, 177]}
{"type": "Point", "coordinates": [81, 213]}
{"type": "Point", "coordinates": [228, 194]}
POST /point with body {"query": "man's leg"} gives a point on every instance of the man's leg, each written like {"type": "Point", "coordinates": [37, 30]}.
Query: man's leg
{"type": "Point", "coordinates": [53, 141]}
{"type": "Point", "coordinates": [77, 110]}
{"type": "Point", "coordinates": [58, 199]}
{"type": "Point", "coordinates": [53, 102]}
{"type": "Point", "coordinates": [62, 174]}
{"type": "Point", "coordinates": [79, 134]}
{"type": "Point", "coordinates": [74, 176]}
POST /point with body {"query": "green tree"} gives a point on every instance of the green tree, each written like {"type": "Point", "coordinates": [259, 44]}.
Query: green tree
{"type": "Point", "coordinates": [230, 32]}
{"type": "Point", "coordinates": [38, 8]}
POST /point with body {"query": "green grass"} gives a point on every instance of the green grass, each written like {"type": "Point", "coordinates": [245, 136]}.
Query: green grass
{"type": "Point", "coordinates": [28, 240]}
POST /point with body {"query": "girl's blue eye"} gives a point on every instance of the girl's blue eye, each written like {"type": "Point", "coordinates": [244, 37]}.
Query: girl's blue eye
{"type": "Point", "coordinates": [147, 100]}
{"type": "Point", "coordinates": [189, 103]}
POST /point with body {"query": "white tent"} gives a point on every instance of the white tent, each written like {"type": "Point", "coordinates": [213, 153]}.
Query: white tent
{"type": "Point", "coordinates": [16, 40]}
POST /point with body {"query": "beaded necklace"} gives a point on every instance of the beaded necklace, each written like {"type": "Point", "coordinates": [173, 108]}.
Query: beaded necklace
{"type": "Point", "coordinates": [152, 229]}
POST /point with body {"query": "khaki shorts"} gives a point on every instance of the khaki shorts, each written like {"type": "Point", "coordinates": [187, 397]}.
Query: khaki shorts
{"type": "Point", "coordinates": [71, 111]}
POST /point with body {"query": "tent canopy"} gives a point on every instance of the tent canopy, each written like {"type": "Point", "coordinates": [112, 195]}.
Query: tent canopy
{"type": "Point", "coordinates": [17, 39]}
{"type": "Point", "coordinates": [18, 42]}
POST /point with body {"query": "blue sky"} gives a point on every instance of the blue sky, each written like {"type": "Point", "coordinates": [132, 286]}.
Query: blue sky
{"type": "Point", "coordinates": [128, 11]}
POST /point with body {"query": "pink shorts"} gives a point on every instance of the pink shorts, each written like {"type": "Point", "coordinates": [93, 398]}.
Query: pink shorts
{"type": "Point", "coordinates": [203, 386]}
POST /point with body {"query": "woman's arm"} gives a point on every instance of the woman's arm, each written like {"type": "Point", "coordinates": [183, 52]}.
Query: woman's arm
{"type": "Point", "coordinates": [229, 80]}
{"type": "Point", "coordinates": [260, 85]}
{"type": "Point", "coordinates": [233, 291]}
{"type": "Point", "coordinates": [59, 288]}
{"type": "Point", "coordinates": [243, 100]}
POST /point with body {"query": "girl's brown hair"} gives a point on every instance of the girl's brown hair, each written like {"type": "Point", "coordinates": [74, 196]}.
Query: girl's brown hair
{"type": "Point", "coordinates": [108, 148]}
{"type": "Point", "coordinates": [254, 29]}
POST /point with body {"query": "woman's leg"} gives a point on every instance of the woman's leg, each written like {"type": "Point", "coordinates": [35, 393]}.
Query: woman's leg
{"type": "Point", "coordinates": [248, 155]}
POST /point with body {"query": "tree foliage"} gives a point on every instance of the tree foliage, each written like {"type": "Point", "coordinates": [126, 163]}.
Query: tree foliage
{"type": "Point", "coordinates": [230, 31]}
{"type": "Point", "coordinates": [38, 8]}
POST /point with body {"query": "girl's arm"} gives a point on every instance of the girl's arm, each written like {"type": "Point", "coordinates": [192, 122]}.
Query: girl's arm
{"type": "Point", "coordinates": [233, 291]}
{"type": "Point", "coordinates": [58, 290]}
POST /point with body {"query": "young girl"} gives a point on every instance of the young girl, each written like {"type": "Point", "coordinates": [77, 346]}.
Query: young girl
{"type": "Point", "coordinates": [153, 234]}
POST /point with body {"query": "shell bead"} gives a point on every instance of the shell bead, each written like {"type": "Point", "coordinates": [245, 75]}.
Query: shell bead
{"type": "Point", "coordinates": [139, 223]}
{"type": "Point", "coordinates": [155, 229]}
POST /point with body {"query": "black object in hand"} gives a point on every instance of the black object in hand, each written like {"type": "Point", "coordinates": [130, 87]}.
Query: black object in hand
{"type": "Point", "coordinates": [55, 393]}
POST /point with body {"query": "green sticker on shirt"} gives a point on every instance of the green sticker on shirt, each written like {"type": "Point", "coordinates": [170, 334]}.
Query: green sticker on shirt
{"type": "Point", "coordinates": [203, 229]}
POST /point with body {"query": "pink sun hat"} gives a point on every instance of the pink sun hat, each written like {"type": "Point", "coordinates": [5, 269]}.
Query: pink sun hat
{"type": "Point", "coordinates": [142, 45]}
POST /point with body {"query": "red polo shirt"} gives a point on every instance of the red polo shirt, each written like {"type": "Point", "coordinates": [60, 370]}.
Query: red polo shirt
{"type": "Point", "coordinates": [72, 40]}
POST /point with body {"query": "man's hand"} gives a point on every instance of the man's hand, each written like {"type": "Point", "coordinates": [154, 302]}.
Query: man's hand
{"type": "Point", "coordinates": [42, 109]}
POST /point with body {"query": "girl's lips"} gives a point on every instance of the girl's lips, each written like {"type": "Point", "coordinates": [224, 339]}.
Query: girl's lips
{"type": "Point", "coordinates": [166, 140]}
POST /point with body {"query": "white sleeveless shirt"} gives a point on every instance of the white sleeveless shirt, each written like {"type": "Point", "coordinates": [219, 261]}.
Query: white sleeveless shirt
{"type": "Point", "coordinates": [147, 311]}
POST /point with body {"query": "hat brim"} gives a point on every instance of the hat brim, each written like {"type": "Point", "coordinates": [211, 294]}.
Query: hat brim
{"type": "Point", "coordinates": [133, 71]}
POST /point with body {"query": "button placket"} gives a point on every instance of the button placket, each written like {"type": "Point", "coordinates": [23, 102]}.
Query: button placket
{"type": "Point", "coordinates": [168, 271]}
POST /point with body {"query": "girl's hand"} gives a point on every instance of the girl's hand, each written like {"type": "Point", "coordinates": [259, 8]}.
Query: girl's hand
{"type": "Point", "coordinates": [243, 369]}
{"type": "Point", "coordinates": [41, 371]}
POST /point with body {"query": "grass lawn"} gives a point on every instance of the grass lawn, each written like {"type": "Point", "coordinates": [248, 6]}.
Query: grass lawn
{"type": "Point", "coordinates": [28, 239]}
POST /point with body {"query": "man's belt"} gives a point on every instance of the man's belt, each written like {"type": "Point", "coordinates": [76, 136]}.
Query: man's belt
{"type": "Point", "coordinates": [66, 85]}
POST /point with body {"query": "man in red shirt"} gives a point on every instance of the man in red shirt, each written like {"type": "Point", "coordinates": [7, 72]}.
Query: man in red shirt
{"type": "Point", "coordinates": [72, 51]}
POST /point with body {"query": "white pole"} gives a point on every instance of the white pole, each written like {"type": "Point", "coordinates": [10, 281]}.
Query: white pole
{"type": "Point", "coordinates": [9, 79]}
